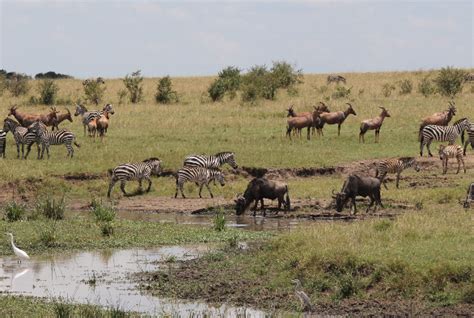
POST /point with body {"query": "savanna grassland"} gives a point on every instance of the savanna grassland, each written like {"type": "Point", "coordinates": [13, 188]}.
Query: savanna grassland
{"type": "Point", "coordinates": [420, 259]}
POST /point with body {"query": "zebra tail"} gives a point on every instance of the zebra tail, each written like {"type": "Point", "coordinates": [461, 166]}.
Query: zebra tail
{"type": "Point", "coordinates": [420, 133]}
{"type": "Point", "coordinates": [77, 145]}
{"type": "Point", "coordinates": [462, 137]}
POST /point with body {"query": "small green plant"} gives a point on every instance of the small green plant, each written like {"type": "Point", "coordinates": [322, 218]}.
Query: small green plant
{"type": "Point", "coordinates": [341, 92]}
{"type": "Point", "coordinates": [14, 211]}
{"type": "Point", "coordinates": [450, 81]}
{"type": "Point", "coordinates": [107, 228]}
{"type": "Point", "coordinates": [219, 221]}
{"type": "Point", "coordinates": [94, 90]}
{"type": "Point", "coordinates": [387, 89]}
{"type": "Point", "coordinates": [346, 287]}
{"type": "Point", "coordinates": [47, 235]}
{"type": "Point", "coordinates": [63, 310]}
{"type": "Point", "coordinates": [122, 96]}
{"type": "Point", "coordinates": [406, 86]}
{"type": "Point", "coordinates": [164, 91]}
{"type": "Point", "coordinates": [102, 212]}
{"type": "Point", "coordinates": [133, 83]}
{"type": "Point", "coordinates": [51, 208]}
{"type": "Point", "coordinates": [425, 87]}
{"type": "Point", "coordinates": [117, 312]}
{"type": "Point", "coordinates": [233, 242]}
{"type": "Point", "coordinates": [48, 91]}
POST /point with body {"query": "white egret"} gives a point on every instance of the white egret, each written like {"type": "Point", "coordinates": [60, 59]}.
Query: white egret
{"type": "Point", "coordinates": [18, 252]}
{"type": "Point", "coordinates": [302, 296]}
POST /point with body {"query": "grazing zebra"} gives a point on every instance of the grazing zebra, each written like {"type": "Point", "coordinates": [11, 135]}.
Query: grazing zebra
{"type": "Point", "coordinates": [211, 162]}
{"type": "Point", "coordinates": [395, 165]}
{"type": "Point", "coordinates": [21, 135]}
{"type": "Point", "coordinates": [47, 138]}
{"type": "Point", "coordinates": [134, 171]}
{"type": "Point", "coordinates": [442, 133]}
{"type": "Point", "coordinates": [201, 176]}
{"type": "Point", "coordinates": [87, 116]}
{"type": "Point", "coordinates": [3, 142]}
{"type": "Point", "coordinates": [470, 138]}
{"type": "Point", "coordinates": [451, 151]}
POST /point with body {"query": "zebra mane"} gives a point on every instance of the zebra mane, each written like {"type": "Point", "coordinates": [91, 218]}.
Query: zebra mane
{"type": "Point", "coordinates": [224, 153]}
{"type": "Point", "coordinates": [406, 159]}
{"type": "Point", "coordinates": [459, 120]}
{"type": "Point", "coordinates": [8, 119]}
{"type": "Point", "coordinates": [151, 159]}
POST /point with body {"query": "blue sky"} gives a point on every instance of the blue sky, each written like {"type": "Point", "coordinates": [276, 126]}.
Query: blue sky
{"type": "Point", "coordinates": [112, 38]}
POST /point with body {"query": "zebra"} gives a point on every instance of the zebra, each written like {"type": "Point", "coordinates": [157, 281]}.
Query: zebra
{"type": "Point", "coordinates": [336, 78]}
{"type": "Point", "coordinates": [201, 176]}
{"type": "Point", "coordinates": [395, 165]}
{"type": "Point", "coordinates": [442, 133]}
{"type": "Point", "coordinates": [21, 135]}
{"type": "Point", "coordinates": [470, 138]}
{"type": "Point", "coordinates": [47, 138]}
{"type": "Point", "coordinates": [134, 171]}
{"type": "Point", "coordinates": [3, 142]}
{"type": "Point", "coordinates": [451, 151]}
{"type": "Point", "coordinates": [211, 162]}
{"type": "Point", "coordinates": [87, 116]}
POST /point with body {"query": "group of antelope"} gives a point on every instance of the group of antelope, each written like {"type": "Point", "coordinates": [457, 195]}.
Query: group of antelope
{"type": "Point", "coordinates": [322, 115]}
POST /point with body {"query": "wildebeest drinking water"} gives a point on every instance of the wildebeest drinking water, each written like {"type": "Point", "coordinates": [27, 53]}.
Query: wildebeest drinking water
{"type": "Point", "coordinates": [358, 186]}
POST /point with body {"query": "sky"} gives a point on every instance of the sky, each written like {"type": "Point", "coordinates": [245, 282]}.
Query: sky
{"type": "Point", "coordinates": [112, 38]}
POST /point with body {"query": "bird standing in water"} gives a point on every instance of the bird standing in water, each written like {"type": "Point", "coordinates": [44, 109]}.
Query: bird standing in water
{"type": "Point", "coordinates": [18, 252]}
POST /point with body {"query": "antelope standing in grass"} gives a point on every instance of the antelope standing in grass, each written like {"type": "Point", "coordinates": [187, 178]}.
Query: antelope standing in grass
{"type": "Point", "coordinates": [451, 151]}
{"type": "Point", "coordinates": [26, 119]}
{"type": "Point", "coordinates": [60, 118]}
{"type": "Point", "coordinates": [336, 118]}
{"type": "Point", "coordinates": [322, 108]}
{"type": "Point", "coordinates": [440, 119]}
{"type": "Point", "coordinates": [373, 124]}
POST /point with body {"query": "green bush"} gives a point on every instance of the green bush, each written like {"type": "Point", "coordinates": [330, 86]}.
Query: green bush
{"type": "Point", "coordinates": [227, 82]}
{"type": "Point", "coordinates": [102, 213]}
{"type": "Point", "coordinates": [286, 76]}
{"type": "Point", "coordinates": [406, 86]}
{"type": "Point", "coordinates": [134, 85]}
{"type": "Point", "coordinates": [450, 81]}
{"type": "Point", "coordinates": [107, 229]}
{"type": "Point", "coordinates": [259, 83]}
{"type": "Point", "coordinates": [14, 211]}
{"type": "Point", "coordinates": [51, 208]}
{"type": "Point", "coordinates": [387, 89]}
{"type": "Point", "coordinates": [164, 91]}
{"type": "Point", "coordinates": [18, 85]}
{"type": "Point", "coordinates": [219, 221]}
{"type": "Point", "coordinates": [47, 235]}
{"type": "Point", "coordinates": [341, 92]}
{"type": "Point", "coordinates": [48, 91]}
{"type": "Point", "coordinates": [94, 90]}
{"type": "Point", "coordinates": [425, 87]}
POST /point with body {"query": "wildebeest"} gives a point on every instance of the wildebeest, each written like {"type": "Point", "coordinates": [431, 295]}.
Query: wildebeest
{"type": "Point", "coordinates": [257, 190]}
{"type": "Point", "coordinates": [358, 186]}
{"type": "Point", "coordinates": [335, 78]}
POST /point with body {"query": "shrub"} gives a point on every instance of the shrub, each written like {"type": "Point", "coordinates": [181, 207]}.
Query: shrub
{"type": "Point", "coordinates": [51, 208]}
{"type": "Point", "coordinates": [286, 76]}
{"type": "Point", "coordinates": [406, 86]}
{"type": "Point", "coordinates": [258, 83]}
{"type": "Point", "coordinates": [122, 95]}
{"type": "Point", "coordinates": [51, 75]}
{"type": "Point", "coordinates": [107, 229]}
{"type": "Point", "coordinates": [219, 221]}
{"type": "Point", "coordinates": [48, 91]}
{"type": "Point", "coordinates": [164, 91]}
{"type": "Point", "coordinates": [133, 83]}
{"type": "Point", "coordinates": [387, 89]}
{"type": "Point", "coordinates": [101, 212]}
{"type": "Point", "coordinates": [18, 85]}
{"type": "Point", "coordinates": [450, 81]}
{"type": "Point", "coordinates": [341, 92]}
{"type": "Point", "coordinates": [425, 87]}
{"type": "Point", "coordinates": [94, 90]}
{"type": "Point", "coordinates": [227, 82]}
{"type": "Point", "coordinates": [14, 211]}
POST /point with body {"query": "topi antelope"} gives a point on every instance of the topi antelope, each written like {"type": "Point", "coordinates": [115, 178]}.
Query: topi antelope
{"type": "Point", "coordinates": [373, 124]}
{"type": "Point", "coordinates": [336, 118]}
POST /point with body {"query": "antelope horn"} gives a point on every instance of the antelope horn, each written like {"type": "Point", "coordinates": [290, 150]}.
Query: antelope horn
{"type": "Point", "coordinates": [333, 192]}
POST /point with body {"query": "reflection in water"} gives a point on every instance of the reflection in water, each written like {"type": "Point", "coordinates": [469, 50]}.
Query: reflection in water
{"type": "Point", "coordinates": [69, 276]}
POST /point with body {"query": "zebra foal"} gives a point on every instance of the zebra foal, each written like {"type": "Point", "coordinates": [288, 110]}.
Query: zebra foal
{"type": "Point", "coordinates": [396, 165]}
{"type": "Point", "coordinates": [134, 171]}
{"type": "Point", "coordinates": [48, 138]}
{"type": "Point", "coordinates": [21, 135]}
{"type": "Point", "coordinates": [201, 176]}
{"type": "Point", "coordinates": [211, 162]}
{"type": "Point", "coordinates": [442, 133]}
{"type": "Point", "coordinates": [451, 151]}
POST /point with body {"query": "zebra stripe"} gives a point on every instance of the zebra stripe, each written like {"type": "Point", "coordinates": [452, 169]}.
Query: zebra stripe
{"type": "Point", "coordinates": [21, 135]}
{"type": "Point", "coordinates": [442, 133]}
{"type": "Point", "coordinates": [48, 138]}
{"type": "Point", "coordinates": [134, 171]}
{"type": "Point", "coordinates": [451, 151]}
{"type": "Point", "coordinates": [211, 162]}
{"type": "Point", "coordinates": [395, 165]}
{"type": "Point", "coordinates": [88, 116]}
{"type": "Point", "coordinates": [201, 176]}
{"type": "Point", "coordinates": [3, 142]}
{"type": "Point", "coordinates": [470, 138]}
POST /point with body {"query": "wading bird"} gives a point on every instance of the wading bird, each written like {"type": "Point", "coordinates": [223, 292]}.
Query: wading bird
{"type": "Point", "coordinates": [18, 252]}
{"type": "Point", "coordinates": [302, 296]}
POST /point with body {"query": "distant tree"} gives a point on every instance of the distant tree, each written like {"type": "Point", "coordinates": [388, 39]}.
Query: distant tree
{"type": "Point", "coordinates": [17, 84]}
{"type": "Point", "coordinates": [48, 91]}
{"type": "Point", "coordinates": [450, 81]}
{"type": "Point", "coordinates": [406, 86]}
{"type": "Point", "coordinates": [94, 90]}
{"type": "Point", "coordinates": [164, 91]}
{"type": "Point", "coordinates": [227, 82]}
{"type": "Point", "coordinates": [52, 75]}
{"type": "Point", "coordinates": [425, 87]}
{"type": "Point", "coordinates": [133, 83]}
